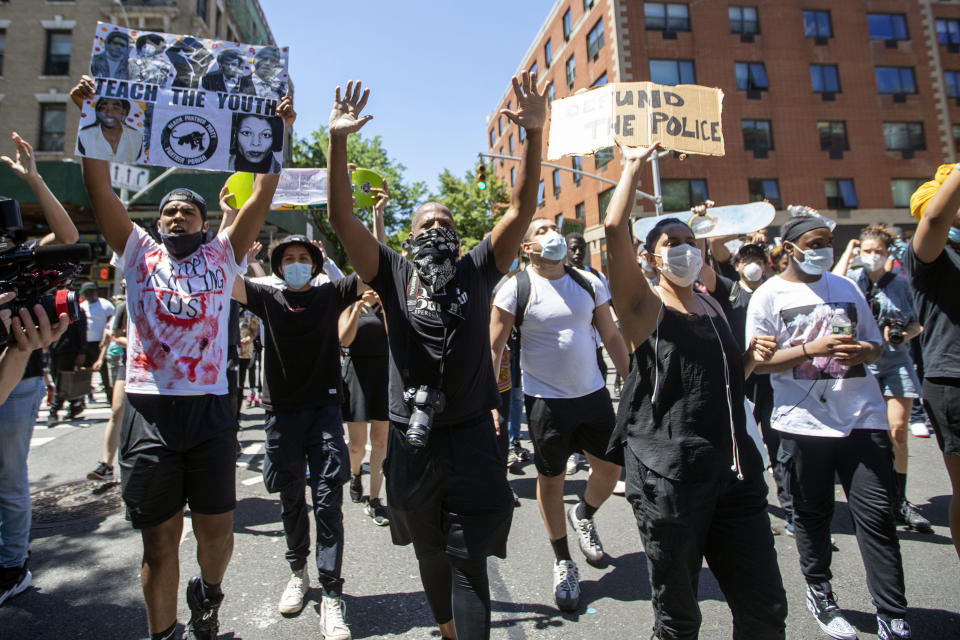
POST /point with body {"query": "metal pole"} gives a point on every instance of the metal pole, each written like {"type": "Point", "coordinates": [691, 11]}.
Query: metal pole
{"type": "Point", "coordinates": [658, 194]}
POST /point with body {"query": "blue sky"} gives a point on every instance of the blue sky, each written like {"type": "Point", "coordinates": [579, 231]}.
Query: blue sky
{"type": "Point", "coordinates": [435, 68]}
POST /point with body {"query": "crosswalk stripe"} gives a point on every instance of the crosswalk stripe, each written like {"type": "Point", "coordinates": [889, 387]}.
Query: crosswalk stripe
{"type": "Point", "coordinates": [38, 442]}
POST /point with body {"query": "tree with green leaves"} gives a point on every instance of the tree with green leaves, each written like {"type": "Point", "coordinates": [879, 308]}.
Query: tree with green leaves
{"type": "Point", "coordinates": [475, 211]}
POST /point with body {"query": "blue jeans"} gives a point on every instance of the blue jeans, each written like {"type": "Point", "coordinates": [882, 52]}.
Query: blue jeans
{"type": "Point", "coordinates": [516, 400]}
{"type": "Point", "coordinates": [17, 417]}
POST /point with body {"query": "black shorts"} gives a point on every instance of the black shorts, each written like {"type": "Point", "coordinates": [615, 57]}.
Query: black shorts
{"type": "Point", "coordinates": [452, 495]}
{"type": "Point", "coordinates": [941, 399]}
{"type": "Point", "coordinates": [177, 450]}
{"type": "Point", "coordinates": [562, 426]}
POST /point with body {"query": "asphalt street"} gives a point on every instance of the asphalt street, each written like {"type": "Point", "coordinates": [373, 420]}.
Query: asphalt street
{"type": "Point", "coordinates": [85, 560]}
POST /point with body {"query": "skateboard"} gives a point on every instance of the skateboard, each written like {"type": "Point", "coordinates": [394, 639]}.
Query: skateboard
{"type": "Point", "coordinates": [732, 220]}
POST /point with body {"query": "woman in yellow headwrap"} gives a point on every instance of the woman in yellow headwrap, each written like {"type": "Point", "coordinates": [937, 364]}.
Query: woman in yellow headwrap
{"type": "Point", "coordinates": [932, 262]}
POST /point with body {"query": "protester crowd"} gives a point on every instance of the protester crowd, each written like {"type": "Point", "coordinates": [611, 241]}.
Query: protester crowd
{"type": "Point", "coordinates": [737, 356]}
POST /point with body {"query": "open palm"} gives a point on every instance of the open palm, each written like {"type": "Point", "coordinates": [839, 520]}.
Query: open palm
{"type": "Point", "coordinates": [639, 154]}
{"type": "Point", "coordinates": [345, 115]}
{"type": "Point", "coordinates": [531, 113]}
{"type": "Point", "coordinates": [24, 164]}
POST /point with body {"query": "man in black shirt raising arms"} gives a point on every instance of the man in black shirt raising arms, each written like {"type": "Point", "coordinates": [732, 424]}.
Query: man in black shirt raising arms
{"type": "Point", "coordinates": [449, 494]}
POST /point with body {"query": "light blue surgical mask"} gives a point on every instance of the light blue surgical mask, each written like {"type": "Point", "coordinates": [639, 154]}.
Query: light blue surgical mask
{"type": "Point", "coordinates": [297, 274]}
{"type": "Point", "coordinates": [954, 235]}
{"type": "Point", "coordinates": [815, 261]}
{"type": "Point", "coordinates": [553, 246]}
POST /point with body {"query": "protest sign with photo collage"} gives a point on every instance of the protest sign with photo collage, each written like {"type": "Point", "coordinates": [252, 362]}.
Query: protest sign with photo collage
{"type": "Point", "coordinates": [181, 101]}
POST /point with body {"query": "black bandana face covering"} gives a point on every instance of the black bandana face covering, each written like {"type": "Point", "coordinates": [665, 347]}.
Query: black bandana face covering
{"type": "Point", "coordinates": [434, 254]}
{"type": "Point", "coordinates": [181, 245]}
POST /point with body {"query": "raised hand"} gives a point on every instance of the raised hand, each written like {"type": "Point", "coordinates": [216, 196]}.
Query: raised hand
{"type": "Point", "coordinates": [24, 165]}
{"type": "Point", "coordinates": [531, 113]}
{"type": "Point", "coordinates": [323, 254]}
{"type": "Point", "coordinates": [637, 155]}
{"type": "Point", "coordinates": [345, 115]}
{"type": "Point", "coordinates": [380, 199]}
{"type": "Point", "coordinates": [255, 250]}
{"type": "Point", "coordinates": [84, 90]}
{"type": "Point", "coordinates": [225, 206]}
{"type": "Point", "coordinates": [285, 111]}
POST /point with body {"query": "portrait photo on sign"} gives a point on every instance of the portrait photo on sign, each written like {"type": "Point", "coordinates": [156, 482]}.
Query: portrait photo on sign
{"type": "Point", "coordinates": [256, 143]}
{"type": "Point", "coordinates": [810, 322]}
{"type": "Point", "coordinates": [114, 129]}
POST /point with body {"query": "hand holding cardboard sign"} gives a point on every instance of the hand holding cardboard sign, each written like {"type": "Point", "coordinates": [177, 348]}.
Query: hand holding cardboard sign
{"type": "Point", "coordinates": [637, 155]}
{"type": "Point", "coordinates": [344, 117]}
{"type": "Point", "coordinates": [84, 90]}
{"type": "Point", "coordinates": [531, 113]}
{"type": "Point", "coordinates": [285, 111]}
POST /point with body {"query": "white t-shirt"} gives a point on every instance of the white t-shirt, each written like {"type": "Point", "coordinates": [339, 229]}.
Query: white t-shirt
{"type": "Point", "coordinates": [95, 145]}
{"type": "Point", "coordinates": [97, 315]}
{"type": "Point", "coordinates": [177, 316]}
{"type": "Point", "coordinates": [796, 313]}
{"type": "Point", "coordinates": [558, 355]}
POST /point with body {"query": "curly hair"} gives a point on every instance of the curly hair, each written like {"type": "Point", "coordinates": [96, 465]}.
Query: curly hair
{"type": "Point", "coordinates": [879, 232]}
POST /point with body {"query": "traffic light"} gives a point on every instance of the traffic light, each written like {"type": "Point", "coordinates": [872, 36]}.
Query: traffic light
{"type": "Point", "coordinates": [481, 177]}
{"type": "Point", "coordinates": [100, 273]}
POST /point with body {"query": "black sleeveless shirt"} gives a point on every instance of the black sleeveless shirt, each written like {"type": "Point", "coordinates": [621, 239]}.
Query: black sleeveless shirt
{"type": "Point", "coordinates": [684, 433]}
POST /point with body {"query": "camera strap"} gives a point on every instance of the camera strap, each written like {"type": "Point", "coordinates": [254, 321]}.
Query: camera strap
{"type": "Point", "coordinates": [447, 319]}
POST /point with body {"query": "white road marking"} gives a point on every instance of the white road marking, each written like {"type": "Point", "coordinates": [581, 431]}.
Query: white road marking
{"type": "Point", "coordinates": [187, 529]}
{"type": "Point", "coordinates": [39, 442]}
{"type": "Point", "coordinates": [252, 481]}
{"type": "Point", "coordinates": [244, 459]}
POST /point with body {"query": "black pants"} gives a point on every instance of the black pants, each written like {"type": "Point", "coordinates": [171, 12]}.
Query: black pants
{"type": "Point", "coordinates": [294, 440]}
{"type": "Point", "coordinates": [762, 397]}
{"type": "Point", "coordinates": [864, 463]}
{"type": "Point", "coordinates": [723, 520]}
{"type": "Point", "coordinates": [61, 363]}
{"type": "Point", "coordinates": [92, 351]}
{"type": "Point", "coordinates": [244, 364]}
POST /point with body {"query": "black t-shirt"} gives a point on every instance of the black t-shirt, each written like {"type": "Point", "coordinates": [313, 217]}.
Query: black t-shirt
{"type": "Point", "coordinates": [938, 310]}
{"type": "Point", "coordinates": [371, 338]}
{"type": "Point", "coordinates": [302, 356]}
{"type": "Point", "coordinates": [416, 337]}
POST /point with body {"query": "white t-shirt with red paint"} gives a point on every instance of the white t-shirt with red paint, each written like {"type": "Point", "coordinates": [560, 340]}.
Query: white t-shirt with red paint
{"type": "Point", "coordinates": [177, 314]}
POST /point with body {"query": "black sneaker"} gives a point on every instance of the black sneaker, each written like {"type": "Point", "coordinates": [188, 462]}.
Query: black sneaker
{"type": "Point", "coordinates": [13, 581]}
{"type": "Point", "coordinates": [103, 472]}
{"type": "Point", "coordinates": [204, 611]}
{"type": "Point", "coordinates": [892, 628]}
{"type": "Point", "coordinates": [908, 516]}
{"type": "Point", "coordinates": [377, 512]}
{"type": "Point", "coordinates": [823, 605]}
{"type": "Point", "coordinates": [356, 488]}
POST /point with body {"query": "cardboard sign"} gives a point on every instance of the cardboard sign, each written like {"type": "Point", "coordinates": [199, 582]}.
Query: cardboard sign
{"type": "Point", "coordinates": [683, 118]}
{"type": "Point", "coordinates": [181, 101]}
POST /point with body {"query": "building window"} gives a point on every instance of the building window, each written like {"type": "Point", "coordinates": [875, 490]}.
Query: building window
{"type": "Point", "coordinates": [840, 194]}
{"type": "Point", "coordinates": [751, 76]}
{"type": "Point", "coordinates": [603, 201]}
{"type": "Point", "coordinates": [510, 143]}
{"type": "Point", "coordinates": [580, 212]}
{"type": "Point", "coordinates": [948, 31]}
{"type": "Point", "coordinates": [599, 82]}
{"type": "Point", "coordinates": [3, 47]}
{"type": "Point", "coordinates": [887, 26]}
{"type": "Point", "coordinates": [833, 135]}
{"type": "Point", "coordinates": [53, 124]}
{"type": "Point", "coordinates": [551, 94]}
{"type": "Point", "coordinates": [672, 72]}
{"type": "Point", "coordinates": [556, 182]}
{"type": "Point", "coordinates": [492, 135]}
{"type": "Point", "coordinates": [952, 80]}
{"type": "Point", "coordinates": [513, 176]}
{"type": "Point", "coordinates": [501, 159]}
{"type": "Point", "coordinates": [595, 40]}
{"type": "Point", "coordinates": [533, 69]}
{"type": "Point", "coordinates": [547, 54]}
{"type": "Point", "coordinates": [500, 126]}
{"type": "Point", "coordinates": [744, 20]}
{"type": "Point", "coordinates": [603, 157]}
{"type": "Point", "coordinates": [824, 78]}
{"type": "Point", "coordinates": [571, 71]}
{"type": "Point", "coordinates": [577, 163]}
{"type": "Point", "coordinates": [202, 9]}
{"type": "Point", "coordinates": [520, 134]}
{"type": "Point", "coordinates": [540, 195]}
{"type": "Point", "coordinates": [57, 60]}
{"type": "Point", "coordinates": [895, 80]}
{"type": "Point", "coordinates": [567, 25]}
{"type": "Point", "coordinates": [757, 135]}
{"type": "Point", "coordinates": [763, 189]}
{"type": "Point", "coordinates": [902, 189]}
{"type": "Point", "coordinates": [667, 16]}
{"type": "Point", "coordinates": [587, 5]}
{"type": "Point", "coordinates": [955, 130]}
{"type": "Point", "coordinates": [904, 136]}
{"type": "Point", "coordinates": [816, 24]}
{"type": "Point", "coordinates": [559, 221]}
{"type": "Point", "coordinates": [682, 195]}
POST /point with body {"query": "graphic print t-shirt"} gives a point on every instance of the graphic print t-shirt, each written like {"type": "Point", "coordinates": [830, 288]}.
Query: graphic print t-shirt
{"type": "Point", "coordinates": [795, 313]}
{"type": "Point", "coordinates": [177, 316]}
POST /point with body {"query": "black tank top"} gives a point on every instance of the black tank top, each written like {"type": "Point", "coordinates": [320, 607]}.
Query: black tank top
{"type": "Point", "coordinates": [371, 338]}
{"type": "Point", "coordinates": [684, 433]}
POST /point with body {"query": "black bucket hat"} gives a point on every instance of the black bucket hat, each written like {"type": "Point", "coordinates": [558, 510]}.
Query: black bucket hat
{"type": "Point", "coordinates": [276, 253]}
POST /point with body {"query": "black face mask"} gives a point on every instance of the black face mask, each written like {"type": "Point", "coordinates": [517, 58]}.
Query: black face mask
{"type": "Point", "coordinates": [181, 245]}
{"type": "Point", "coordinates": [434, 254]}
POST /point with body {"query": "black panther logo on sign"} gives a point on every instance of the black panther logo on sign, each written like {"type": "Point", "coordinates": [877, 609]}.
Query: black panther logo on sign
{"type": "Point", "coordinates": [189, 140]}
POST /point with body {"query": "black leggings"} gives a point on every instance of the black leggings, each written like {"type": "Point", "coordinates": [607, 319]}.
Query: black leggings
{"type": "Point", "coordinates": [458, 589]}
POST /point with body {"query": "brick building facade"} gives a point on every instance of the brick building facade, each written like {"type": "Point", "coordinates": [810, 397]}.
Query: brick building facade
{"type": "Point", "coordinates": [843, 106]}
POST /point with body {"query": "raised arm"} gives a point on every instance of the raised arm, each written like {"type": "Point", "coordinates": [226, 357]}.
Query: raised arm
{"type": "Point", "coordinates": [25, 166]}
{"type": "Point", "coordinates": [531, 114]}
{"type": "Point", "coordinates": [629, 290]}
{"type": "Point", "coordinates": [362, 248]}
{"type": "Point", "coordinates": [931, 237]}
{"type": "Point", "coordinates": [379, 206]}
{"type": "Point", "coordinates": [250, 219]}
{"type": "Point", "coordinates": [348, 323]}
{"type": "Point", "coordinates": [846, 258]}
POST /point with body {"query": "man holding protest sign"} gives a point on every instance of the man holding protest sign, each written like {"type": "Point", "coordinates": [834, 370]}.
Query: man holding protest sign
{"type": "Point", "coordinates": [178, 428]}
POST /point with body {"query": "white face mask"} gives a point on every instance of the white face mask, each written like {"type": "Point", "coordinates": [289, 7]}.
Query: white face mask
{"type": "Point", "coordinates": [815, 261]}
{"type": "Point", "coordinates": [753, 272]}
{"type": "Point", "coordinates": [872, 261]}
{"type": "Point", "coordinates": [681, 265]}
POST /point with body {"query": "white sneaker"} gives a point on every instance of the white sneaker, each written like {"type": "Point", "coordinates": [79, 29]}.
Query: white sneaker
{"type": "Point", "coordinates": [919, 429]}
{"type": "Point", "coordinates": [572, 465]}
{"type": "Point", "coordinates": [332, 624]}
{"type": "Point", "coordinates": [620, 489]}
{"type": "Point", "coordinates": [587, 536]}
{"type": "Point", "coordinates": [566, 585]}
{"type": "Point", "coordinates": [20, 584]}
{"type": "Point", "coordinates": [291, 602]}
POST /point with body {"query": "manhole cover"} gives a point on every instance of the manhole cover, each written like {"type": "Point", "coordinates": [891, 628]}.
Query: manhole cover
{"type": "Point", "coordinates": [75, 501]}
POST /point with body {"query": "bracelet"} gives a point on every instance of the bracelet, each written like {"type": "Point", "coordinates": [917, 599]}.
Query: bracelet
{"type": "Point", "coordinates": [803, 347]}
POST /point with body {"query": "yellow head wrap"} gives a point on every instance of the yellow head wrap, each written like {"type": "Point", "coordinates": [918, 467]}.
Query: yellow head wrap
{"type": "Point", "coordinates": [923, 194]}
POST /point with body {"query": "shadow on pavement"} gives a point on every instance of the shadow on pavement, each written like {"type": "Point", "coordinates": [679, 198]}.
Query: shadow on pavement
{"type": "Point", "coordinates": [925, 623]}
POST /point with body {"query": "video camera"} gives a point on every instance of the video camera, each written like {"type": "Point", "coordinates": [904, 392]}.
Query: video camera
{"type": "Point", "coordinates": [425, 402]}
{"type": "Point", "coordinates": [887, 318]}
{"type": "Point", "coordinates": [38, 275]}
